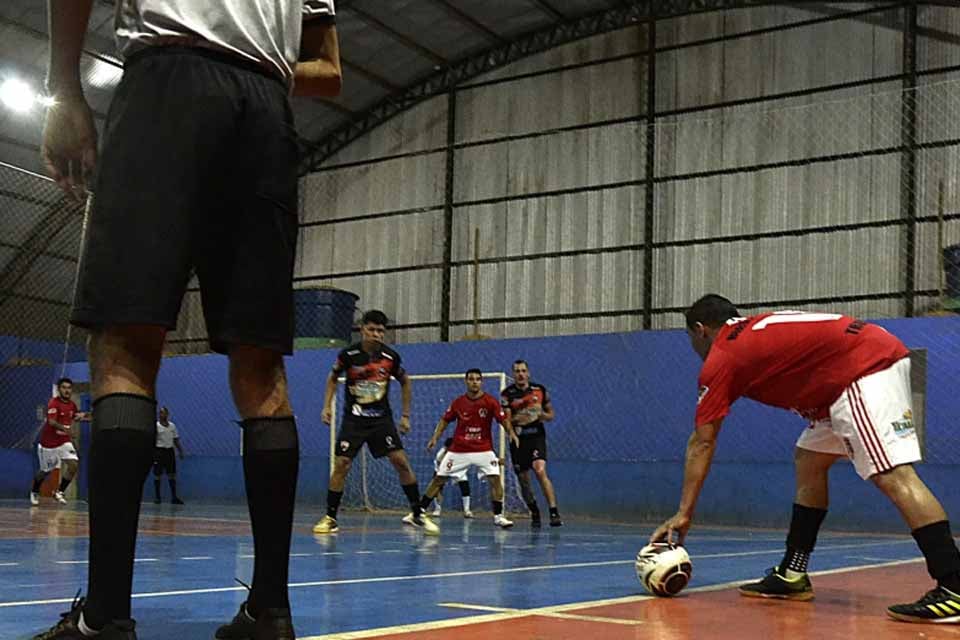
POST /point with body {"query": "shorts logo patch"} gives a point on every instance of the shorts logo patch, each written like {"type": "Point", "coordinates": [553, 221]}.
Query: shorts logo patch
{"type": "Point", "coordinates": [449, 465]}
{"type": "Point", "coordinates": [704, 390]}
{"type": "Point", "coordinates": [344, 445]}
{"type": "Point", "coordinates": [389, 441]}
{"type": "Point", "coordinates": [494, 463]}
{"type": "Point", "coordinates": [536, 453]}
{"type": "Point", "coordinates": [904, 426]}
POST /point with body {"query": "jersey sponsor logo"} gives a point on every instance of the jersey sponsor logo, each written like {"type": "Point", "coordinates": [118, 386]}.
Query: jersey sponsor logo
{"type": "Point", "coordinates": [364, 412]}
{"type": "Point", "coordinates": [483, 413]}
{"type": "Point", "coordinates": [702, 393]}
{"type": "Point", "coordinates": [904, 426]}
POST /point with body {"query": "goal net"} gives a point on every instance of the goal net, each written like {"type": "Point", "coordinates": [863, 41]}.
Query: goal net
{"type": "Point", "coordinates": [373, 484]}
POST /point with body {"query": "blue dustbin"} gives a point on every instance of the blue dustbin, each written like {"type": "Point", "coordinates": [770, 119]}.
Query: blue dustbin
{"type": "Point", "coordinates": [324, 317]}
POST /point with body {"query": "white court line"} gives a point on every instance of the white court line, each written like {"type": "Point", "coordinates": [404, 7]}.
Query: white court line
{"type": "Point", "coordinates": [72, 561]}
{"type": "Point", "coordinates": [9, 564]}
{"type": "Point", "coordinates": [300, 555]}
{"type": "Point", "coordinates": [565, 616]}
{"type": "Point", "coordinates": [506, 615]}
{"type": "Point", "coordinates": [247, 556]}
{"type": "Point", "coordinates": [197, 558]}
{"type": "Point", "coordinates": [363, 552]}
{"type": "Point", "coordinates": [435, 576]}
{"type": "Point", "coordinates": [145, 560]}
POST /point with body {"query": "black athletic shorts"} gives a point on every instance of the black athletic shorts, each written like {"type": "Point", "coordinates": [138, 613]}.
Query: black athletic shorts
{"type": "Point", "coordinates": [531, 448]}
{"type": "Point", "coordinates": [164, 461]}
{"type": "Point", "coordinates": [198, 174]}
{"type": "Point", "coordinates": [380, 436]}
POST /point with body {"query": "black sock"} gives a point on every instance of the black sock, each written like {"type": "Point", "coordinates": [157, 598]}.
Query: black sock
{"type": "Point", "coordinates": [271, 461]}
{"type": "Point", "coordinates": [425, 502]}
{"type": "Point", "coordinates": [554, 512]}
{"type": "Point", "coordinates": [37, 481]}
{"type": "Point", "coordinates": [64, 483]}
{"type": "Point", "coordinates": [938, 547]}
{"type": "Point", "coordinates": [333, 502]}
{"type": "Point", "coordinates": [121, 454]}
{"type": "Point", "coordinates": [464, 488]}
{"type": "Point", "coordinates": [802, 537]}
{"type": "Point", "coordinates": [534, 509]}
{"type": "Point", "coordinates": [173, 488]}
{"type": "Point", "coordinates": [497, 507]}
{"type": "Point", "coordinates": [413, 496]}
{"type": "Point", "coordinates": [156, 488]}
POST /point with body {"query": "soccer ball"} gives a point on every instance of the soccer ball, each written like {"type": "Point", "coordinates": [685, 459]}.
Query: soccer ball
{"type": "Point", "coordinates": [664, 569]}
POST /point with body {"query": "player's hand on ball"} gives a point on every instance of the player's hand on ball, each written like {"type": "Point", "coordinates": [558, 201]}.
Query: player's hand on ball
{"type": "Point", "coordinates": [679, 524]}
{"type": "Point", "coordinates": [404, 425]}
{"type": "Point", "coordinates": [326, 415]}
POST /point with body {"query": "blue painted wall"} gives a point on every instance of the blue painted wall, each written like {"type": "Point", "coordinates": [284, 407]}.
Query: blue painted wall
{"type": "Point", "coordinates": [625, 406]}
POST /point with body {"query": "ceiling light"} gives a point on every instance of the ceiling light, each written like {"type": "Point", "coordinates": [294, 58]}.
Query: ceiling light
{"type": "Point", "coordinates": [17, 95]}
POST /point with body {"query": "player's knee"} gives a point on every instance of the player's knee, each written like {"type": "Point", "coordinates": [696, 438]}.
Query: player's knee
{"type": "Point", "coordinates": [900, 478]}
{"type": "Point", "coordinates": [341, 466]}
{"type": "Point", "coordinates": [259, 382]}
{"type": "Point", "coordinates": [125, 359]}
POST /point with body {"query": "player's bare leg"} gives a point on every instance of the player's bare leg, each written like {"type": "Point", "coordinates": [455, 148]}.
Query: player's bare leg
{"type": "Point", "coordinates": [789, 580]}
{"type": "Point", "coordinates": [338, 480]}
{"type": "Point", "coordinates": [540, 469]}
{"type": "Point", "coordinates": [124, 361]}
{"type": "Point", "coordinates": [526, 491]}
{"type": "Point", "coordinates": [931, 529]}
{"type": "Point", "coordinates": [271, 460]}
{"type": "Point", "coordinates": [496, 498]}
{"type": "Point", "coordinates": [68, 471]}
{"type": "Point", "coordinates": [408, 481]}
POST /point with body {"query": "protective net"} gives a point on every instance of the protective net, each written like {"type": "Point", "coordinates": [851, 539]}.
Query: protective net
{"type": "Point", "coordinates": [373, 485]}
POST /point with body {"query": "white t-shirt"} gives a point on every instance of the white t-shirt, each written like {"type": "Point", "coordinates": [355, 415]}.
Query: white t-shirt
{"type": "Point", "coordinates": [166, 435]}
{"type": "Point", "coordinates": [262, 31]}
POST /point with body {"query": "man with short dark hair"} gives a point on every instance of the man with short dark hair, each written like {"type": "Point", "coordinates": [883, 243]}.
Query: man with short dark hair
{"type": "Point", "coordinates": [56, 449]}
{"type": "Point", "coordinates": [164, 461]}
{"type": "Point", "coordinates": [368, 419]}
{"type": "Point", "coordinates": [527, 405]}
{"type": "Point", "coordinates": [198, 174]}
{"type": "Point", "coordinates": [851, 379]}
{"type": "Point", "coordinates": [472, 444]}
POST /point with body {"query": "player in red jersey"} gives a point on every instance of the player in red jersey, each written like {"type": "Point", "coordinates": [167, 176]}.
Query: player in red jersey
{"type": "Point", "coordinates": [472, 444]}
{"type": "Point", "coordinates": [852, 380]}
{"type": "Point", "coordinates": [56, 450]}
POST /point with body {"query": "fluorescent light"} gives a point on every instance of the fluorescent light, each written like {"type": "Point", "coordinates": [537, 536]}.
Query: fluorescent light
{"type": "Point", "coordinates": [17, 95]}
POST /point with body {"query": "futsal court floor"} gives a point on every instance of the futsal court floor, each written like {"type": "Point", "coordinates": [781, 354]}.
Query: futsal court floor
{"type": "Point", "coordinates": [380, 579]}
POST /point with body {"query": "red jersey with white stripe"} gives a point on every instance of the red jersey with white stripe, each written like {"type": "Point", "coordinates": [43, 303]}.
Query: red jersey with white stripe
{"type": "Point", "coordinates": [61, 412]}
{"type": "Point", "coordinates": [474, 418]}
{"type": "Point", "coordinates": [792, 360]}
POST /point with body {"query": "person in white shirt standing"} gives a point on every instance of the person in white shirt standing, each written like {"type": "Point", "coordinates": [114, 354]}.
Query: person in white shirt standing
{"type": "Point", "coordinates": [198, 173]}
{"type": "Point", "coordinates": [164, 461]}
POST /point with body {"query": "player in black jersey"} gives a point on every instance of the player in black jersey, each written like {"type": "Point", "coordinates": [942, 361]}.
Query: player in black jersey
{"type": "Point", "coordinates": [367, 418]}
{"type": "Point", "coordinates": [527, 405]}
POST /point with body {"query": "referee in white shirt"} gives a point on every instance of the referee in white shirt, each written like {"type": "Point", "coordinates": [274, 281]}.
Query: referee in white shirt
{"type": "Point", "coordinates": [164, 462]}
{"type": "Point", "coordinates": [198, 174]}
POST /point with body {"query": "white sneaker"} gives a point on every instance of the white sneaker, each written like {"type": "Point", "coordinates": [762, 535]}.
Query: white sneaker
{"type": "Point", "coordinates": [502, 522]}
{"type": "Point", "coordinates": [423, 522]}
{"type": "Point", "coordinates": [34, 499]}
{"type": "Point", "coordinates": [436, 511]}
{"type": "Point", "coordinates": [468, 514]}
{"type": "Point", "coordinates": [58, 496]}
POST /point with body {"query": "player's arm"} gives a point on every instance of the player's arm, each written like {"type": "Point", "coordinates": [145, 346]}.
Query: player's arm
{"type": "Point", "coordinates": [406, 395]}
{"type": "Point", "coordinates": [437, 432]}
{"type": "Point", "coordinates": [546, 408]}
{"type": "Point", "coordinates": [700, 449]}
{"type": "Point", "coordinates": [511, 433]}
{"type": "Point", "coordinates": [176, 443]}
{"type": "Point", "coordinates": [51, 420]}
{"type": "Point", "coordinates": [318, 73]}
{"type": "Point", "coordinates": [69, 147]}
{"type": "Point", "coordinates": [329, 393]}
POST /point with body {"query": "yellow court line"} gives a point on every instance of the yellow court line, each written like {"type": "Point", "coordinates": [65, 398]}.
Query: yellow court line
{"type": "Point", "coordinates": [509, 614]}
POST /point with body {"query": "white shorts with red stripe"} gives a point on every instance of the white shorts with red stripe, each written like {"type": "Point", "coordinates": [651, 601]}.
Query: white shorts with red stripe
{"type": "Point", "coordinates": [871, 423]}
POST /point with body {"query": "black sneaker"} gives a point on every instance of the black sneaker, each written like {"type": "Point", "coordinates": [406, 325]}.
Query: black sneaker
{"type": "Point", "coordinates": [67, 628]}
{"type": "Point", "coordinates": [939, 606]}
{"type": "Point", "coordinates": [176, 501]}
{"type": "Point", "coordinates": [156, 501]}
{"type": "Point", "coordinates": [776, 585]}
{"type": "Point", "coordinates": [555, 520]}
{"type": "Point", "coordinates": [535, 519]}
{"type": "Point", "coordinates": [273, 624]}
